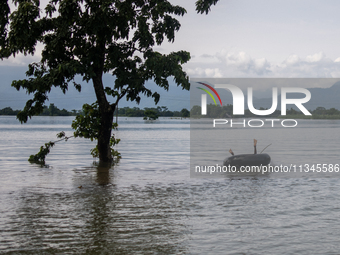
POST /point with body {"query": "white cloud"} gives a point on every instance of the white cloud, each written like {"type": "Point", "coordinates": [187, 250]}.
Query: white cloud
{"type": "Point", "coordinates": [215, 73]}
{"type": "Point", "coordinates": [292, 60]}
{"type": "Point", "coordinates": [244, 63]}
{"type": "Point", "coordinates": [314, 65]}
{"type": "Point", "coordinates": [20, 60]}
{"type": "Point", "coordinates": [225, 63]}
{"type": "Point", "coordinates": [239, 59]}
{"type": "Point", "coordinates": [261, 66]}
{"type": "Point", "coordinates": [241, 64]}
{"type": "Point", "coordinates": [205, 72]}
{"type": "Point", "coordinates": [316, 57]}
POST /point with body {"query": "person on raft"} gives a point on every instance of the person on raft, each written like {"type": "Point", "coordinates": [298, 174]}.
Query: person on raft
{"type": "Point", "coordinates": [255, 151]}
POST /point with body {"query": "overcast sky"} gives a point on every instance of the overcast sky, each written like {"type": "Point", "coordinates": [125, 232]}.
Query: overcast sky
{"type": "Point", "coordinates": [242, 38]}
{"type": "Point", "coordinates": [263, 38]}
{"type": "Point", "coordinates": [256, 38]}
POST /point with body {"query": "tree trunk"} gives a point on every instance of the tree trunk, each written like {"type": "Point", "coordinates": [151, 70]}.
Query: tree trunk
{"type": "Point", "coordinates": [105, 135]}
{"type": "Point", "coordinates": [106, 113]}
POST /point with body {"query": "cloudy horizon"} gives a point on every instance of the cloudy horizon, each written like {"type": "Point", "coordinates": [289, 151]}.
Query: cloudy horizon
{"type": "Point", "coordinates": [244, 38]}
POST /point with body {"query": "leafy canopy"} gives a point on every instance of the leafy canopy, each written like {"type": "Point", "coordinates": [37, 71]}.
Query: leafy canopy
{"type": "Point", "coordinates": [90, 38]}
{"type": "Point", "coordinates": [150, 114]}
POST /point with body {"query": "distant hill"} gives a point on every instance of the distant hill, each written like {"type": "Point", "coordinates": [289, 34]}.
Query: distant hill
{"type": "Point", "coordinates": [175, 99]}
{"type": "Point", "coordinates": [324, 97]}
{"type": "Point", "coordinates": [320, 97]}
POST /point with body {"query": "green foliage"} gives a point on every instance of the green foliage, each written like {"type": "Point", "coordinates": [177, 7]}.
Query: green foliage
{"type": "Point", "coordinates": [114, 153]}
{"type": "Point", "coordinates": [213, 111]}
{"type": "Point", "coordinates": [90, 38]}
{"type": "Point", "coordinates": [87, 125]}
{"type": "Point", "coordinates": [185, 113]}
{"type": "Point", "coordinates": [162, 111]}
{"type": "Point", "coordinates": [150, 114]}
{"type": "Point", "coordinates": [133, 112]}
{"type": "Point", "coordinates": [62, 135]}
{"type": "Point", "coordinates": [39, 158]}
{"type": "Point", "coordinates": [52, 110]}
{"type": "Point", "coordinates": [203, 6]}
{"type": "Point", "coordinates": [195, 110]}
{"type": "Point", "coordinates": [8, 111]}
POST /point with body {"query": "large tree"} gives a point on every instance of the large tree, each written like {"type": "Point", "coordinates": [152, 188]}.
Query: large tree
{"type": "Point", "coordinates": [90, 38]}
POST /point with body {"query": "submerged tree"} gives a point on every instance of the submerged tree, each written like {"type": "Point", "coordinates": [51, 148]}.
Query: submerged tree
{"type": "Point", "coordinates": [150, 114]}
{"type": "Point", "coordinates": [90, 38]}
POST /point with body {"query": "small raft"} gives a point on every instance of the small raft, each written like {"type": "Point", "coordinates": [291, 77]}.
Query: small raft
{"type": "Point", "coordinates": [247, 160]}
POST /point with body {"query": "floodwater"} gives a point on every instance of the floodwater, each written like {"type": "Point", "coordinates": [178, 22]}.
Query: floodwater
{"type": "Point", "coordinates": [147, 203]}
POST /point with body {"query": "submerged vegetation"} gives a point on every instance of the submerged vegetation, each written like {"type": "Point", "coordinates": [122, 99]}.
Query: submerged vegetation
{"type": "Point", "coordinates": [89, 39]}
{"type": "Point", "coordinates": [150, 115]}
{"type": "Point", "coordinates": [39, 158]}
{"type": "Point", "coordinates": [86, 125]}
{"type": "Point", "coordinates": [160, 111]}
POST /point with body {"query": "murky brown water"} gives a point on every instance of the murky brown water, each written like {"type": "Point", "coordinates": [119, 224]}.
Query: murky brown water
{"type": "Point", "coordinates": [147, 204]}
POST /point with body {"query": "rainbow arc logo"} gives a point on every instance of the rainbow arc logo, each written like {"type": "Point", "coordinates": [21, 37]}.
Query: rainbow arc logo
{"type": "Point", "coordinates": [208, 92]}
{"type": "Point", "coordinates": [204, 97]}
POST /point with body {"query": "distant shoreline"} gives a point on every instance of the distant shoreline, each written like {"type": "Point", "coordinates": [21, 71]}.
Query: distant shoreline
{"type": "Point", "coordinates": [225, 112]}
{"type": "Point", "coordinates": [297, 117]}
{"type": "Point", "coordinates": [52, 110]}
{"type": "Point", "coordinates": [162, 111]}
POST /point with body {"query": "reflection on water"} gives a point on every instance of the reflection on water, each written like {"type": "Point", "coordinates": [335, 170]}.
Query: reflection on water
{"type": "Point", "coordinates": [103, 175]}
{"type": "Point", "coordinates": [76, 207]}
{"type": "Point", "coordinates": [147, 204]}
{"type": "Point", "coordinates": [97, 218]}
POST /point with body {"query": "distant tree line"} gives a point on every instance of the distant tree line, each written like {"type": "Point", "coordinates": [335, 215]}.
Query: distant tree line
{"type": "Point", "coordinates": [51, 110]}
{"type": "Point", "coordinates": [160, 111]}
{"type": "Point", "coordinates": [8, 111]}
{"type": "Point", "coordinates": [216, 111]}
